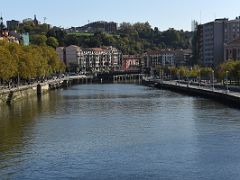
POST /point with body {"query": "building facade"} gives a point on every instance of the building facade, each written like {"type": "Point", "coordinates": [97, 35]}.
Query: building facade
{"type": "Point", "coordinates": [73, 58]}
{"type": "Point", "coordinates": [94, 60]}
{"type": "Point", "coordinates": [102, 26]}
{"type": "Point", "coordinates": [211, 38]}
{"type": "Point", "coordinates": [131, 63]}
{"type": "Point", "coordinates": [232, 50]}
{"type": "Point", "coordinates": [182, 57]}
{"type": "Point", "coordinates": [154, 59]}
{"type": "Point", "coordinates": [212, 43]}
{"type": "Point", "coordinates": [232, 30]}
{"type": "Point", "coordinates": [12, 25]}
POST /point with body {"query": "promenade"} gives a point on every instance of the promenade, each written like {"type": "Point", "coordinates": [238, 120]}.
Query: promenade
{"type": "Point", "coordinates": [35, 84]}
{"type": "Point", "coordinates": [219, 94]}
{"type": "Point", "coordinates": [208, 87]}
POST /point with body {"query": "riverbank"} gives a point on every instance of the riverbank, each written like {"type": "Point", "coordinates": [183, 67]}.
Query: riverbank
{"type": "Point", "coordinates": [37, 89]}
{"type": "Point", "coordinates": [221, 95]}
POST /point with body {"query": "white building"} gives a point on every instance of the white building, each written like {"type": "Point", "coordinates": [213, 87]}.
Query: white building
{"type": "Point", "coordinates": [73, 57]}
{"type": "Point", "coordinates": [152, 60]}
{"type": "Point", "coordinates": [93, 60]}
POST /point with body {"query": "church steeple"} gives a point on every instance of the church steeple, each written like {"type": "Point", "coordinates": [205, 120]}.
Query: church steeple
{"type": "Point", "coordinates": [35, 20]}
{"type": "Point", "coordinates": [1, 26]}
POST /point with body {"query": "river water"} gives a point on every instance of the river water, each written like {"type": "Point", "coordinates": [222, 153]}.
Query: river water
{"type": "Point", "coordinates": [119, 131]}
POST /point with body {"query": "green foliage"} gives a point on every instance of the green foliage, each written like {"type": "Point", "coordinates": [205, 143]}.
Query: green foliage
{"type": "Point", "coordinates": [230, 68]}
{"type": "Point", "coordinates": [206, 72]}
{"type": "Point", "coordinates": [28, 61]}
{"type": "Point", "coordinates": [52, 41]}
{"type": "Point", "coordinates": [132, 38]}
{"type": "Point", "coordinates": [39, 40]}
{"type": "Point", "coordinates": [8, 65]}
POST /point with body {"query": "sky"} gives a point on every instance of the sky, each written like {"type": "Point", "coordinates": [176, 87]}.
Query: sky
{"type": "Point", "coordinates": [163, 14]}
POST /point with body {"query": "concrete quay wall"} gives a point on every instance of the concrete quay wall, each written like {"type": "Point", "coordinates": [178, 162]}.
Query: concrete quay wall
{"type": "Point", "coordinates": [11, 95]}
{"type": "Point", "coordinates": [222, 96]}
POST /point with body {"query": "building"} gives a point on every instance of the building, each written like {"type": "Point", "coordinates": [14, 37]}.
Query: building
{"type": "Point", "coordinates": [34, 20]}
{"type": "Point", "coordinates": [131, 63]}
{"type": "Point", "coordinates": [115, 57]}
{"type": "Point", "coordinates": [182, 57]}
{"type": "Point", "coordinates": [73, 58]}
{"type": "Point", "coordinates": [211, 38]}
{"type": "Point", "coordinates": [102, 26]}
{"type": "Point", "coordinates": [94, 60]}
{"type": "Point", "coordinates": [12, 25]}
{"type": "Point", "coordinates": [232, 50]}
{"type": "Point", "coordinates": [61, 52]}
{"type": "Point", "coordinates": [232, 30]}
{"type": "Point", "coordinates": [104, 59]}
{"type": "Point", "coordinates": [161, 58]}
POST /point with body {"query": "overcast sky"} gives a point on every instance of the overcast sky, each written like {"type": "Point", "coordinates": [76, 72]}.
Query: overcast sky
{"type": "Point", "coordinates": [163, 14]}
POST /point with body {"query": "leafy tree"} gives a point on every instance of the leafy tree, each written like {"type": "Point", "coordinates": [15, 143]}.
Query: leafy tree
{"type": "Point", "coordinates": [206, 72]}
{"type": "Point", "coordinates": [8, 65]}
{"type": "Point", "coordinates": [39, 40]}
{"type": "Point", "coordinates": [52, 41]}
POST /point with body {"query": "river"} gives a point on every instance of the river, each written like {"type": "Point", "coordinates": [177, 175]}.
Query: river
{"type": "Point", "coordinates": [119, 131]}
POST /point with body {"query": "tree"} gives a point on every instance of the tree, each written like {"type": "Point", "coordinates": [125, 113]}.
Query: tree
{"type": "Point", "coordinates": [8, 65]}
{"type": "Point", "coordinates": [52, 41]}
{"type": "Point", "coordinates": [206, 72]}
{"type": "Point", "coordinates": [39, 40]}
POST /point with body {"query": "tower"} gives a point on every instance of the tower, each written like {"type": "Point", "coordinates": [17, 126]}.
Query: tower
{"type": "Point", "coordinates": [35, 21]}
{"type": "Point", "coordinates": [1, 26]}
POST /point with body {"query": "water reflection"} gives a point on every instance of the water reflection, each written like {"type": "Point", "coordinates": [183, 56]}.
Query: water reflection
{"type": "Point", "coordinates": [118, 131]}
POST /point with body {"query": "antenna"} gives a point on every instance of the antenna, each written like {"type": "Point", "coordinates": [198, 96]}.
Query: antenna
{"type": "Point", "coordinates": [44, 19]}
{"type": "Point", "coordinates": [200, 17]}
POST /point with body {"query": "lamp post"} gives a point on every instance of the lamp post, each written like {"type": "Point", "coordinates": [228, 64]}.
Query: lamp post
{"type": "Point", "coordinates": [199, 81]}
{"type": "Point", "coordinates": [227, 81]}
{"type": "Point", "coordinates": [213, 80]}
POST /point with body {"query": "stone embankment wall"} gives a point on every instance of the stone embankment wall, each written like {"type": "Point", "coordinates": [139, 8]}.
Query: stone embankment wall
{"type": "Point", "coordinates": [14, 95]}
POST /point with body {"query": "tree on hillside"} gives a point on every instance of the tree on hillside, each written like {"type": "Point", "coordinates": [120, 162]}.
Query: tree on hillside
{"type": "Point", "coordinates": [39, 40]}
{"type": "Point", "coordinates": [52, 41]}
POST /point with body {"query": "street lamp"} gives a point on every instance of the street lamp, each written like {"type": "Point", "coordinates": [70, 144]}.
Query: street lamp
{"type": "Point", "coordinates": [213, 80]}
{"type": "Point", "coordinates": [227, 80]}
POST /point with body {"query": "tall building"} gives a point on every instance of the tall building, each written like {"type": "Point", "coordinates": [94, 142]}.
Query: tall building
{"type": "Point", "coordinates": [211, 38]}
{"type": "Point", "coordinates": [232, 30]}
{"type": "Point", "coordinates": [12, 25]}
{"type": "Point", "coordinates": [232, 50]}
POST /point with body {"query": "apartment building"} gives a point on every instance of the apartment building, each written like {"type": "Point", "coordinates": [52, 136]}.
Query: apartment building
{"type": "Point", "coordinates": [232, 30]}
{"type": "Point", "coordinates": [182, 57]}
{"type": "Point", "coordinates": [232, 50]}
{"type": "Point", "coordinates": [73, 58]}
{"type": "Point", "coordinates": [131, 63]}
{"type": "Point", "coordinates": [155, 59]}
{"type": "Point", "coordinates": [93, 60]}
{"type": "Point", "coordinates": [211, 38]}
